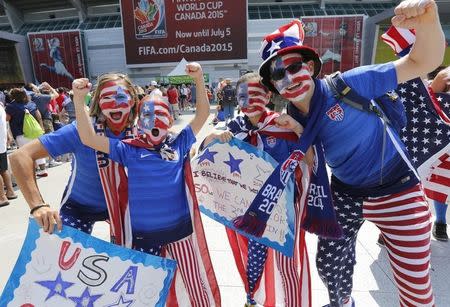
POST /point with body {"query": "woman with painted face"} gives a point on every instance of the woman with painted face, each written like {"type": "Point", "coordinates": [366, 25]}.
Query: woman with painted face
{"type": "Point", "coordinates": [84, 201]}
{"type": "Point", "coordinates": [158, 215]}
{"type": "Point", "coordinates": [256, 262]}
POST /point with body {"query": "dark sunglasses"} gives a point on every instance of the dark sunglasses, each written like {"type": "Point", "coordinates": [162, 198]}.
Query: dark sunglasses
{"type": "Point", "coordinates": [278, 74]}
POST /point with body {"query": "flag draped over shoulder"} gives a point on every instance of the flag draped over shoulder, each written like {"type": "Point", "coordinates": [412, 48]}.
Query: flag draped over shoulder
{"type": "Point", "coordinates": [198, 260]}
{"type": "Point", "coordinates": [284, 281]}
{"type": "Point", "coordinates": [192, 254]}
{"type": "Point", "coordinates": [114, 181]}
{"type": "Point", "coordinates": [427, 133]}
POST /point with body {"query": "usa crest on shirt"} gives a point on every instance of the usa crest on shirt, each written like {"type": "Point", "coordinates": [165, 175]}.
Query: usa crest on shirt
{"type": "Point", "coordinates": [271, 141]}
{"type": "Point", "coordinates": [336, 113]}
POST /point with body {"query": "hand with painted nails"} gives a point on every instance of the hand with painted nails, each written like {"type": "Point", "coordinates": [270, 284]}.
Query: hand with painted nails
{"type": "Point", "coordinates": [412, 14]}
{"type": "Point", "coordinates": [81, 87]}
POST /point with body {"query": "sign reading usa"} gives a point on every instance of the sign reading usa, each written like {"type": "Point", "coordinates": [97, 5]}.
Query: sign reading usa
{"type": "Point", "coordinates": [157, 31]}
{"type": "Point", "coordinates": [71, 268]}
{"type": "Point", "coordinates": [227, 178]}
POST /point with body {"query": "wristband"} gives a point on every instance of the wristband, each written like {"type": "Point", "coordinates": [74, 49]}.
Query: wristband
{"type": "Point", "coordinates": [37, 208]}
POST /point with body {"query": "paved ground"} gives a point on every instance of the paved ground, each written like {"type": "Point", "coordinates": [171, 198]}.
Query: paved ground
{"type": "Point", "coordinates": [373, 282]}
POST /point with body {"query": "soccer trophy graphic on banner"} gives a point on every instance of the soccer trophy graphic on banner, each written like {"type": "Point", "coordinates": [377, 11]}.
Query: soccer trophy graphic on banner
{"type": "Point", "coordinates": [149, 19]}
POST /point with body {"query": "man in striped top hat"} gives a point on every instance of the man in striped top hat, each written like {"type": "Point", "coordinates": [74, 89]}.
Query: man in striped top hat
{"type": "Point", "coordinates": [372, 177]}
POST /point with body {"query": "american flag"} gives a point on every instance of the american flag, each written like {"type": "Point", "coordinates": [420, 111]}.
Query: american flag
{"type": "Point", "coordinates": [285, 281]}
{"type": "Point", "coordinates": [427, 132]}
{"type": "Point", "coordinates": [427, 136]}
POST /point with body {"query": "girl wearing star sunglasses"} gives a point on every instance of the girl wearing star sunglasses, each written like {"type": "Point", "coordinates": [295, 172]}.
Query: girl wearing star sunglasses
{"type": "Point", "coordinates": [158, 218]}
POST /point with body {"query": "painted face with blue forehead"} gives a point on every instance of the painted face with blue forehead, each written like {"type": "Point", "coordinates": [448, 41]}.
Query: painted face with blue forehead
{"type": "Point", "coordinates": [147, 116]}
{"type": "Point", "coordinates": [242, 95]}
{"type": "Point", "coordinates": [154, 119]}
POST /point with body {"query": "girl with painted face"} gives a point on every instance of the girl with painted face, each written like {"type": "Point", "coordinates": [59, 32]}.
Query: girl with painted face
{"type": "Point", "coordinates": [154, 119]}
{"type": "Point", "coordinates": [113, 102]}
{"type": "Point", "coordinates": [255, 261]}
{"type": "Point", "coordinates": [84, 201]}
{"type": "Point", "coordinates": [158, 215]}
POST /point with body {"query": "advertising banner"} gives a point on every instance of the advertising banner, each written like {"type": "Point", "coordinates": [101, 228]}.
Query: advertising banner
{"type": "Point", "coordinates": [71, 268]}
{"type": "Point", "coordinates": [157, 31]}
{"type": "Point", "coordinates": [337, 39]}
{"type": "Point", "coordinates": [227, 178]}
{"type": "Point", "coordinates": [57, 57]}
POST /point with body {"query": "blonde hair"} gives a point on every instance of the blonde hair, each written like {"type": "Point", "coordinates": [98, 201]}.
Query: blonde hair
{"type": "Point", "coordinates": [95, 110]}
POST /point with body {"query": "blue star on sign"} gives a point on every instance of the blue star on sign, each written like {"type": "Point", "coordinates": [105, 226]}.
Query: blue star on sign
{"type": "Point", "coordinates": [207, 155]}
{"type": "Point", "coordinates": [57, 286]}
{"type": "Point", "coordinates": [121, 302]}
{"type": "Point", "coordinates": [86, 299]}
{"type": "Point", "coordinates": [234, 164]}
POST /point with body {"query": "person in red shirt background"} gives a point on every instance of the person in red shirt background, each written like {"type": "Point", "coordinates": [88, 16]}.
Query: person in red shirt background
{"type": "Point", "coordinates": [172, 94]}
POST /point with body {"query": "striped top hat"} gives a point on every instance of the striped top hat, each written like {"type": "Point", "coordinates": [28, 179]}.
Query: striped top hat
{"type": "Point", "coordinates": [286, 39]}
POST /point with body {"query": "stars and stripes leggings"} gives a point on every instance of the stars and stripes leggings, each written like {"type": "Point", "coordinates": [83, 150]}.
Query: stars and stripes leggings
{"type": "Point", "coordinates": [404, 221]}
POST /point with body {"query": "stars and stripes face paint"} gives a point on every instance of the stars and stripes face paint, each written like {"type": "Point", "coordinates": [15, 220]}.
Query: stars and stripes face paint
{"type": "Point", "coordinates": [291, 77]}
{"type": "Point", "coordinates": [154, 119]}
{"type": "Point", "coordinates": [252, 98]}
{"type": "Point", "coordinates": [116, 102]}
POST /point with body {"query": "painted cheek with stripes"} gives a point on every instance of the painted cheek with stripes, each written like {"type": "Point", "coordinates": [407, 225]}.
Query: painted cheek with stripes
{"type": "Point", "coordinates": [252, 98]}
{"type": "Point", "coordinates": [297, 81]}
{"type": "Point", "coordinates": [154, 119]}
{"type": "Point", "coordinates": [115, 103]}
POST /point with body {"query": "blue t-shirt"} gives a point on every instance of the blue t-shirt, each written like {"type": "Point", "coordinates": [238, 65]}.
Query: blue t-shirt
{"type": "Point", "coordinates": [353, 139]}
{"type": "Point", "coordinates": [17, 112]}
{"type": "Point", "coordinates": [84, 186]}
{"type": "Point", "coordinates": [157, 196]}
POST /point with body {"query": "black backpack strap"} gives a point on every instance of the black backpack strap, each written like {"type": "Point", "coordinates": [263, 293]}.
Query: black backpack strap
{"type": "Point", "coordinates": [343, 92]}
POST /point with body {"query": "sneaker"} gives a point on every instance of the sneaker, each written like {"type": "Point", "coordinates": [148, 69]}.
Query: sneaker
{"type": "Point", "coordinates": [54, 163]}
{"type": "Point", "coordinates": [41, 174]}
{"type": "Point", "coordinates": [440, 231]}
{"type": "Point", "coordinates": [381, 240]}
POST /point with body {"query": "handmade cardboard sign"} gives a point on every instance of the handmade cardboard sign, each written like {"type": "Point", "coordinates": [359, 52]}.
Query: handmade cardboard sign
{"type": "Point", "coordinates": [227, 178]}
{"type": "Point", "coordinates": [71, 268]}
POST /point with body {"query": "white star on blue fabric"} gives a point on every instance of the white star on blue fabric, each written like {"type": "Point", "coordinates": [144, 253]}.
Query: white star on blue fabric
{"type": "Point", "coordinates": [274, 46]}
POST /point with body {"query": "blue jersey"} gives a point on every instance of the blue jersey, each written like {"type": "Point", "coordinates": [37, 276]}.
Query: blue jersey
{"type": "Point", "coordinates": [84, 186]}
{"type": "Point", "coordinates": [353, 139]}
{"type": "Point", "coordinates": [158, 205]}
